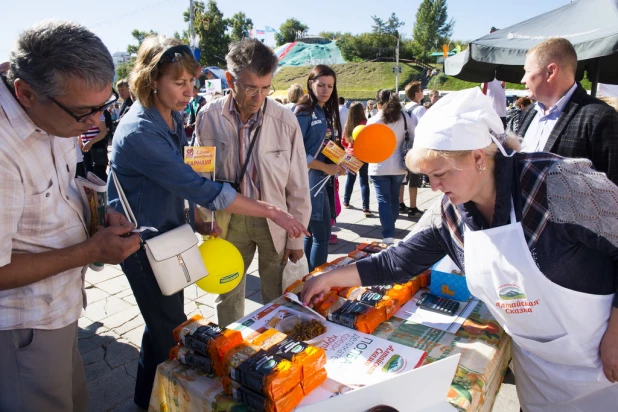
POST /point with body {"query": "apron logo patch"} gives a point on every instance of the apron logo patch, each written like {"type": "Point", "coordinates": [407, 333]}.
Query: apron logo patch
{"type": "Point", "coordinates": [515, 294]}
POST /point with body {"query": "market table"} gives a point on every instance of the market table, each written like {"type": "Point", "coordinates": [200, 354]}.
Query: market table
{"type": "Point", "coordinates": [484, 347]}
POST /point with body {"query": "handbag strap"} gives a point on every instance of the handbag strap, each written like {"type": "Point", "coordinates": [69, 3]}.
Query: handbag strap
{"type": "Point", "coordinates": [405, 125]}
{"type": "Point", "coordinates": [250, 149]}
{"type": "Point", "coordinates": [125, 203]}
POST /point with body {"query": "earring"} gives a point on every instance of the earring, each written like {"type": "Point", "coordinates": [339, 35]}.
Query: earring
{"type": "Point", "coordinates": [482, 168]}
{"type": "Point", "coordinates": [155, 91]}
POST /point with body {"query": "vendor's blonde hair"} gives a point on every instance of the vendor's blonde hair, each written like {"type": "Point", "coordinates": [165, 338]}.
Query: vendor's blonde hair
{"type": "Point", "coordinates": [147, 68]}
{"type": "Point", "coordinates": [417, 156]}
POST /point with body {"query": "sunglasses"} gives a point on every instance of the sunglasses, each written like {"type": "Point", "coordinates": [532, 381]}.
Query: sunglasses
{"type": "Point", "coordinates": [82, 118]}
{"type": "Point", "coordinates": [174, 53]}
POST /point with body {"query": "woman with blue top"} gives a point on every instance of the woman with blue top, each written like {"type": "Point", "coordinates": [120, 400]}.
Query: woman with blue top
{"type": "Point", "coordinates": [147, 158]}
{"type": "Point", "coordinates": [388, 175]}
{"type": "Point", "coordinates": [318, 116]}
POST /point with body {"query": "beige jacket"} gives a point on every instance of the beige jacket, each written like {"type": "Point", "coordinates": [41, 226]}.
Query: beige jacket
{"type": "Point", "coordinates": [279, 156]}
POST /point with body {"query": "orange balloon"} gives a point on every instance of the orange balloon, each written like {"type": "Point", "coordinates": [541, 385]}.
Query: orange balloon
{"type": "Point", "coordinates": [375, 143]}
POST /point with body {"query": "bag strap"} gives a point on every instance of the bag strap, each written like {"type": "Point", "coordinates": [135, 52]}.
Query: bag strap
{"type": "Point", "coordinates": [250, 149]}
{"type": "Point", "coordinates": [125, 202]}
{"type": "Point", "coordinates": [405, 125]}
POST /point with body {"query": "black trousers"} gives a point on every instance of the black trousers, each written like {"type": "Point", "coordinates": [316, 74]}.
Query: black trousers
{"type": "Point", "coordinates": [161, 314]}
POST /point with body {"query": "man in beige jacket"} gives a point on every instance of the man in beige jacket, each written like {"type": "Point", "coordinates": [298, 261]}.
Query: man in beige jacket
{"type": "Point", "coordinates": [260, 151]}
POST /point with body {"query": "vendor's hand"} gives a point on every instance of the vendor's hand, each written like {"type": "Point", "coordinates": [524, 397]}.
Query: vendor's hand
{"type": "Point", "coordinates": [208, 228]}
{"type": "Point", "coordinates": [113, 244]}
{"type": "Point", "coordinates": [314, 289]}
{"type": "Point", "coordinates": [285, 220]}
{"type": "Point", "coordinates": [113, 218]}
{"type": "Point", "coordinates": [333, 169]}
{"type": "Point", "coordinates": [609, 355]}
{"type": "Point", "coordinates": [293, 254]}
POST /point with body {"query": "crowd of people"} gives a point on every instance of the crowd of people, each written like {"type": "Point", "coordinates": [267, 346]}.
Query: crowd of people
{"type": "Point", "coordinates": [535, 209]}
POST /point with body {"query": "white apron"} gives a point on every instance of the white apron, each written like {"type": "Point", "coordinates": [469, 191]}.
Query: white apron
{"type": "Point", "coordinates": [556, 331]}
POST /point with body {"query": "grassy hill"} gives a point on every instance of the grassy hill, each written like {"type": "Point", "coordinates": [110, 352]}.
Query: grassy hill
{"type": "Point", "coordinates": [361, 81]}
{"type": "Point", "coordinates": [355, 81]}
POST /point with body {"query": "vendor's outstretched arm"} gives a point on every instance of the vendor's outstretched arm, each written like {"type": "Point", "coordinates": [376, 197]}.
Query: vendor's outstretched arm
{"type": "Point", "coordinates": [316, 287]}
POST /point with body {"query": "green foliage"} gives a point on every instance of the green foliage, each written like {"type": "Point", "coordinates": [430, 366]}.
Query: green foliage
{"type": "Point", "coordinates": [210, 25]}
{"type": "Point", "coordinates": [287, 31]}
{"type": "Point", "coordinates": [240, 25]}
{"type": "Point", "coordinates": [140, 36]}
{"type": "Point", "coordinates": [184, 37]}
{"type": "Point", "coordinates": [391, 26]}
{"type": "Point", "coordinates": [123, 70]}
{"type": "Point", "coordinates": [432, 28]}
{"type": "Point", "coordinates": [370, 46]}
{"type": "Point", "coordinates": [355, 81]}
{"type": "Point", "coordinates": [330, 35]}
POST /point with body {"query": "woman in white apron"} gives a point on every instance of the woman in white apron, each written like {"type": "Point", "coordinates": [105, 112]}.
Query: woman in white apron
{"type": "Point", "coordinates": [537, 236]}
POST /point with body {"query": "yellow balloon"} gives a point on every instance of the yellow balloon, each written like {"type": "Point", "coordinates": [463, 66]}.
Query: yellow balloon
{"type": "Point", "coordinates": [357, 130]}
{"type": "Point", "coordinates": [224, 264]}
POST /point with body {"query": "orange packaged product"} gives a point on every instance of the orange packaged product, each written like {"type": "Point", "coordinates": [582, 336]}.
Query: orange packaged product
{"type": "Point", "coordinates": [237, 356]}
{"type": "Point", "coordinates": [313, 381]}
{"type": "Point", "coordinates": [190, 358]}
{"type": "Point", "coordinates": [295, 287]}
{"type": "Point", "coordinates": [352, 293]}
{"type": "Point", "coordinates": [257, 402]}
{"type": "Point", "coordinates": [310, 358]}
{"type": "Point", "coordinates": [357, 254]}
{"type": "Point", "coordinates": [358, 316]}
{"type": "Point", "coordinates": [267, 374]}
{"type": "Point", "coordinates": [329, 304]}
{"type": "Point", "coordinates": [207, 338]}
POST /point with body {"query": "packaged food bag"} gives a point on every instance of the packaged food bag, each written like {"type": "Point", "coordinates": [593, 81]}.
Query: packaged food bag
{"type": "Point", "coordinates": [358, 316]}
{"type": "Point", "coordinates": [310, 358]}
{"type": "Point", "coordinates": [313, 381]}
{"type": "Point", "coordinates": [266, 374]}
{"type": "Point", "coordinates": [237, 355]}
{"type": "Point", "coordinates": [190, 358]}
{"type": "Point", "coordinates": [257, 402]}
{"type": "Point", "coordinates": [207, 338]}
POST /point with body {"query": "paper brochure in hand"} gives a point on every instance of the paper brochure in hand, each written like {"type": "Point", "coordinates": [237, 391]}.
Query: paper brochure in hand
{"type": "Point", "coordinates": [341, 158]}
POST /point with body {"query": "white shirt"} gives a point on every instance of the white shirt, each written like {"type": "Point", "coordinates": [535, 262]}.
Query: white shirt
{"type": "Point", "coordinates": [497, 95]}
{"type": "Point", "coordinates": [418, 111]}
{"type": "Point", "coordinates": [343, 114]}
{"type": "Point", "coordinates": [543, 123]}
{"type": "Point", "coordinates": [40, 211]}
{"type": "Point", "coordinates": [393, 165]}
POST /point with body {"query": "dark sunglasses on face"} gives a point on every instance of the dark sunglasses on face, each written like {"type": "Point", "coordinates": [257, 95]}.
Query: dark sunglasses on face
{"type": "Point", "coordinates": [82, 118]}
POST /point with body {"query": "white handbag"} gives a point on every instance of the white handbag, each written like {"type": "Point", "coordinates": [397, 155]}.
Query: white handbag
{"type": "Point", "coordinates": [174, 256]}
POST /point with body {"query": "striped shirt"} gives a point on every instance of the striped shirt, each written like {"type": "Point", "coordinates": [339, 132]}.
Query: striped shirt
{"type": "Point", "coordinates": [250, 185]}
{"type": "Point", "coordinates": [40, 211]}
{"type": "Point", "coordinates": [91, 133]}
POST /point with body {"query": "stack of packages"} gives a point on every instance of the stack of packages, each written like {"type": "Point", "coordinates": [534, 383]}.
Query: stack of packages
{"type": "Point", "coordinates": [272, 373]}
{"type": "Point", "coordinates": [360, 308]}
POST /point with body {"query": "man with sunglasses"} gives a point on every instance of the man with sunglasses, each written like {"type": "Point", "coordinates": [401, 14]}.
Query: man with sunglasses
{"type": "Point", "coordinates": [58, 84]}
{"type": "Point", "coordinates": [260, 151]}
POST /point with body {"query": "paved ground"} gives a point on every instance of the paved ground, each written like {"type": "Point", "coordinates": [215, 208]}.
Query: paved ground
{"type": "Point", "coordinates": [111, 328]}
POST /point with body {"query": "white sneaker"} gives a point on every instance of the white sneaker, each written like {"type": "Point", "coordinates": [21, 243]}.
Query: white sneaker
{"type": "Point", "coordinates": [388, 240]}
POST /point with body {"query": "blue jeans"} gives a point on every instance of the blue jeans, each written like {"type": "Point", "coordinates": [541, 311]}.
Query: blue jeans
{"type": "Point", "coordinates": [364, 183]}
{"type": "Point", "coordinates": [316, 245]}
{"type": "Point", "coordinates": [161, 315]}
{"type": "Point", "coordinates": [387, 192]}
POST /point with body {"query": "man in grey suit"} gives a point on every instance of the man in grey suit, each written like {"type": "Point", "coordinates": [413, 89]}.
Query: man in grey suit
{"type": "Point", "coordinates": [565, 120]}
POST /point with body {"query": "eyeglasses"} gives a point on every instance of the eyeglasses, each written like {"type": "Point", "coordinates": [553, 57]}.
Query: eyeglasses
{"type": "Point", "coordinates": [82, 118]}
{"type": "Point", "coordinates": [174, 53]}
{"type": "Point", "coordinates": [251, 91]}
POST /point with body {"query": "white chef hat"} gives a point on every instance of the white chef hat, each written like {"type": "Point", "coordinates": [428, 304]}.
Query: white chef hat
{"type": "Point", "coordinates": [459, 121]}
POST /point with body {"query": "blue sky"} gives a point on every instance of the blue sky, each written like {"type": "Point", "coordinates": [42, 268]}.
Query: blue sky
{"type": "Point", "coordinates": [113, 20]}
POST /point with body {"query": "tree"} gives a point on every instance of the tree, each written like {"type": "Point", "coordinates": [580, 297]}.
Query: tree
{"type": "Point", "coordinates": [330, 35]}
{"type": "Point", "coordinates": [391, 26]}
{"type": "Point", "coordinates": [210, 25]}
{"type": "Point", "coordinates": [140, 36]}
{"type": "Point", "coordinates": [240, 26]}
{"type": "Point", "coordinates": [124, 69]}
{"type": "Point", "coordinates": [287, 31]}
{"type": "Point", "coordinates": [432, 28]}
